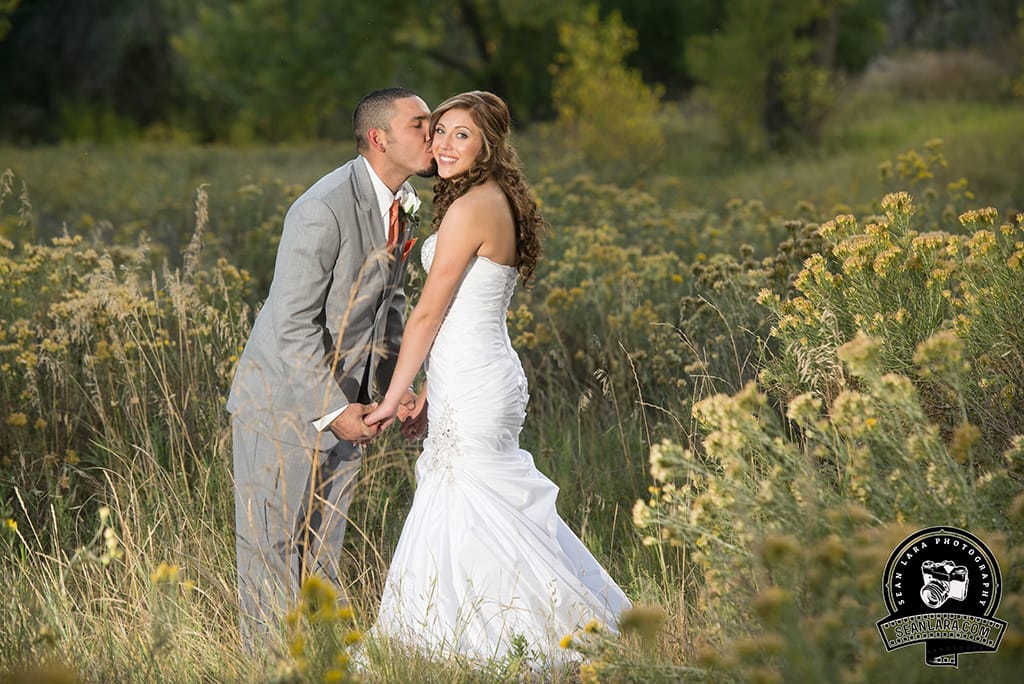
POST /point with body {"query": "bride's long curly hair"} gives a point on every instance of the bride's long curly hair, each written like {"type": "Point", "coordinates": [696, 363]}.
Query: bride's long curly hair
{"type": "Point", "coordinates": [497, 160]}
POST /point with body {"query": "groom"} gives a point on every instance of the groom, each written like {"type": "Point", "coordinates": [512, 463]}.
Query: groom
{"type": "Point", "coordinates": [331, 324]}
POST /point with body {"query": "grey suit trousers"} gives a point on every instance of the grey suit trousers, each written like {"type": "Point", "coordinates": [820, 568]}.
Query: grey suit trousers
{"type": "Point", "coordinates": [291, 509]}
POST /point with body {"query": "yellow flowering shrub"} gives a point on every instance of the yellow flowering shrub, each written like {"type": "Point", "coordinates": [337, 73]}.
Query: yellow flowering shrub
{"type": "Point", "coordinates": [957, 290]}
{"type": "Point", "coordinates": [787, 526]}
{"type": "Point", "coordinates": [627, 292]}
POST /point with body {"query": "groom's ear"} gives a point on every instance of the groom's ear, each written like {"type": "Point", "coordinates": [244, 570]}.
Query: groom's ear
{"type": "Point", "coordinates": [377, 138]}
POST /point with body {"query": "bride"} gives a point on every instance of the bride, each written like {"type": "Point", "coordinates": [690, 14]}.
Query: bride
{"type": "Point", "coordinates": [483, 557]}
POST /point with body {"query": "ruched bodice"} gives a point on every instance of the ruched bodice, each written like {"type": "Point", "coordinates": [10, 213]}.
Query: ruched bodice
{"type": "Point", "coordinates": [473, 373]}
{"type": "Point", "coordinates": [485, 292]}
{"type": "Point", "coordinates": [483, 555]}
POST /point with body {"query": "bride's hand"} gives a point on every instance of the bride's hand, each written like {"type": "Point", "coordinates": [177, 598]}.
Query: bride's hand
{"type": "Point", "coordinates": [383, 415]}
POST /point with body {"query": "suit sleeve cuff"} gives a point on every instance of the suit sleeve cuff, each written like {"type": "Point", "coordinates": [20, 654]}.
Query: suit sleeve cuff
{"type": "Point", "coordinates": [322, 423]}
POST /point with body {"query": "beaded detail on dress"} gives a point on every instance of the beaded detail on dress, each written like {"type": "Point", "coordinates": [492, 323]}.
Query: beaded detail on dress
{"type": "Point", "coordinates": [441, 447]}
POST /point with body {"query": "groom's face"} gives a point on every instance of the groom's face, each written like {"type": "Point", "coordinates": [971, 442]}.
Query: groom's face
{"type": "Point", "coordinates": [409, 137]}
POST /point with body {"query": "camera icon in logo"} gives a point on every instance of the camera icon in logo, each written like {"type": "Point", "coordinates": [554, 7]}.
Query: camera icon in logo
{"type": "Point", "coordinates": [943, 580]}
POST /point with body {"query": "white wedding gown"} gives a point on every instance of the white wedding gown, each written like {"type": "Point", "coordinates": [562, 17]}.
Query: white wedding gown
{"type": "Point", "coordinates": [483, 556]}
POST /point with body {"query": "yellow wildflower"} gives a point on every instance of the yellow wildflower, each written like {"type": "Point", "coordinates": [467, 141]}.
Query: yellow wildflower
{"type": "Point", "coordinates": [964, 438]}
{"type": "Point", "coordinates": [897, 204]}
{"type": "Point", "coordinates": [297, 645]}
{"type": "Point", "coordinates": [804, 409]}
{"type": "Point", "coordinates": [771, 603]}
{"type": "Point", "coordinates": [941, 354]}
{"type": "Point", "coordinates": [779, 548]}
{"type": "Point", "coordinates": [849, 412]}
{"type": "Point", "coordinates": [846, 221]}
{"type": "Point", "coordinates": [860, 354]}
{"type": "Point", "coordinates": [589, 674]}
{"type": "Point", "coordinates": [640, 513]}
{"type": "Point", "coordinates": [979, 217]}
{"type": "Point", "coordinates": [17, 419]}
{"type": "Point", "coordinates": [884, 258]}
{"type": "Point", "coordinates": [981, 242]}
{"type": "Point", "coordinates": [566, 642]}
{"type": "Point", "coordinates": [646, 621]}
{"type": "Point", "coordinates": [766, 297]}
{"type": "Point", "coordinates": [164, 574]}
{"type": "Point", "coordinates": [928, 241]}
{"type": "Point", "coordinates": [112, 548]}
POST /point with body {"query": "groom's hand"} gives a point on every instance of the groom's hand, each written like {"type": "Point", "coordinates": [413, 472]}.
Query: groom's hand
{"type": "Point", "coordinates": [349, 425]}
{"type": "Point", "coordinates": [406, 405]}
{"type": "Point", "coordinates": [414, 426]}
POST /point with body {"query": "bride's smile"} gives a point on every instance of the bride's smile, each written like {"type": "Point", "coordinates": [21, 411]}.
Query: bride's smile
{"type": "Point", "coordinates": [456, 143]}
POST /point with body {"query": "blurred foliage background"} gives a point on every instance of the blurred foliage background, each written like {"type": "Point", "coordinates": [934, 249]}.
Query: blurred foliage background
{"type": "Point", "coordinates": [272, 70]}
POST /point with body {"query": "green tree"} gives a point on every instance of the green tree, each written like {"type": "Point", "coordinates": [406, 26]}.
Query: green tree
{"type": "Point", "coordinates": [99, 69]}
{"type": "Point", "coordinates": [7, 7]}
{"type": "Point", "coordinates": [663, 28]}
{"type": "Point", "coordinates": [504, 46]}
{"type": "Point", "coordinates": [762, 71]}
{"type": "Point", "coordinates": [277, 70]}
{"type": "Point", "coordinates": [1017, 86]}
{"type": "Point", "coordinates": [273, 70]}
{"type": "Point", "coordinates": [605, 106]}
{"type": "Point", "coordinates": [769, 71]}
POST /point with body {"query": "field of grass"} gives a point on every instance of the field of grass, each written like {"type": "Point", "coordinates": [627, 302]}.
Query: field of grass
{"type": "Point", "coordinates": [746, 401]}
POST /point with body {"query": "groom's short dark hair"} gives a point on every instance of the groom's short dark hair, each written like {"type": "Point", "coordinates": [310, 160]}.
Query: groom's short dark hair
{"type": "Point", "coordinates": [375, 111]}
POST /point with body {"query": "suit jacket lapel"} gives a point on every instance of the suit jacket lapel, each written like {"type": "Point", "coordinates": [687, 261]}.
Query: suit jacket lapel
{"type": "Point", "coordinates": [371, 223]}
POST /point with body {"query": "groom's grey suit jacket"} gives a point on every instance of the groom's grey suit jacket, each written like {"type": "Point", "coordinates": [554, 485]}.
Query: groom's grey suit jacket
{"type": "Point", "coordinates": [334, 315]}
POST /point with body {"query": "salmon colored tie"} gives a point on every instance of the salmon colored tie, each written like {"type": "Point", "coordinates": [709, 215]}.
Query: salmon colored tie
{"type": "Point", "coordinates": [393, 227]}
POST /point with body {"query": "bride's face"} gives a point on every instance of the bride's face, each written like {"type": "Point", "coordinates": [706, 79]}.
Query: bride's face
{"type": "Point", "coordinates": [457, 143]}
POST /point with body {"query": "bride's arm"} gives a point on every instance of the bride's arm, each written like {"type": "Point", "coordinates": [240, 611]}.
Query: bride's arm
{"type": "Point", "coordinates": [458, 240]}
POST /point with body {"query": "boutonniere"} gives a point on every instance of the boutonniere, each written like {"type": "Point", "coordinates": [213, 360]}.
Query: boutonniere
{"type": "Point", "coordinates": [408, 248]}
{"type": "Point", "coordinates": [409, 203]}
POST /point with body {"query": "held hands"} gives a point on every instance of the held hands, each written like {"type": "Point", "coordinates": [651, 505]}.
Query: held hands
{"type": "Point", "coordinates": [408, 410]}
{"type": "Point", "coordinates": [414, 425]}
{"type": "Point", "coordinates": [350, 424]}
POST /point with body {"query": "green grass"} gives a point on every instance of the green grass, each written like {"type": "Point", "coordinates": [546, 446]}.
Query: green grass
{"type": "Point", "coordinates": [984, 142]}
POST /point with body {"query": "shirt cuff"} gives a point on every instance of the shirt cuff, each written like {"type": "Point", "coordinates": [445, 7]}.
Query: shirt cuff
{"type": "Point", "coordinates": [322, 423]}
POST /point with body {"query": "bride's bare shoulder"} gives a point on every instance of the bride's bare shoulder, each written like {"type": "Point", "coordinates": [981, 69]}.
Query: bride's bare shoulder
{"type": "Point", "coordinates": [487, 198]}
